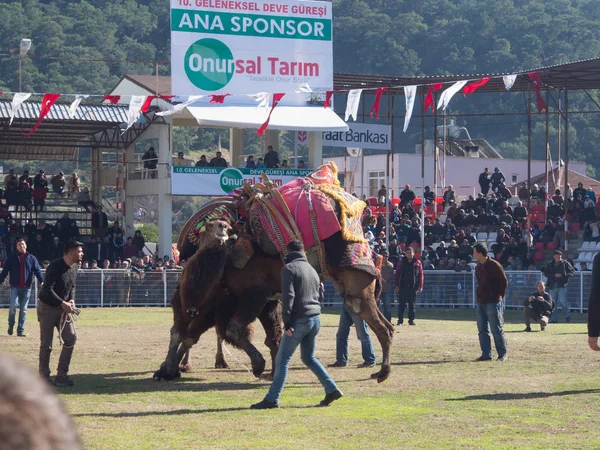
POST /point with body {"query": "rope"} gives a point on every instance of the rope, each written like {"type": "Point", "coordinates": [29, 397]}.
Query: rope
{"type": "Point", "coordinates": [66, 318]}
{"type": "Point", "coordinates": [235, 357]}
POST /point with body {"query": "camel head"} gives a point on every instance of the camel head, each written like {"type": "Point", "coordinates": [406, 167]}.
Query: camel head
{"type": "Point", "coordinates": [216, 233]}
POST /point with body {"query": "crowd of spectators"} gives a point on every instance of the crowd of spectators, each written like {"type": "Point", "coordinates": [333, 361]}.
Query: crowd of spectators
{"type": "Point", "coordinates": [514, 231]}
{"type": "Point", "coordinates": [270, 161]}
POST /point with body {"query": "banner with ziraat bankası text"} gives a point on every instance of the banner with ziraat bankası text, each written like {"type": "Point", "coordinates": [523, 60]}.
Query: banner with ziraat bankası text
{"type": "Point", "coordinates": [248, 47]}
{"type": "Point", "coordinates": [222, 181]}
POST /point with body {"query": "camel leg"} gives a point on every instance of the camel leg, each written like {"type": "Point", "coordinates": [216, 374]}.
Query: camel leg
{"type": "Point", "coordinates": [241, 337]}
{"type": "Point", "coordinates": [270, 318]}
{"type": "Point", "coordinates": [184, 365]}
{"type": "Point", "coordinates": [358, 290]}
{"type": "Point", "coordinates": [169, 368]}
{"type": "Point", "coordinates": [220, 362]}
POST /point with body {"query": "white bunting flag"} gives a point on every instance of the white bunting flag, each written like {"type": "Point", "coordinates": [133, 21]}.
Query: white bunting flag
{"type": "Point", "coordinates": [262, 98]}
{"type": "Point", "coordinates": [449, 93]}
{"type": "Point", "coordinates": [304, 88]}
{"type": "Point", "coordinates": [75, 105]}
{"type": "Point", "coordinates": [352, 104]}
{"type": "Point", "coordinates": [180, 107]}
{"type": "Point", "coordinates": [135, 109]}
{"type": "Point", "coordinates": [509, 80]}
{"type": "Point", "coordinates": [410, 92]}
{"type": "Point", "coordinates": [17, 101]}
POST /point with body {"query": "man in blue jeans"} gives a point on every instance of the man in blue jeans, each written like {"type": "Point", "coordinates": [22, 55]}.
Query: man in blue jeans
{"type": "Point", "coordinates": [301, 318]}
{"type": "Point", "coordinates": [558, 271]}
{"type": "Point", "coordinates": [347, 318]}
{"type": "Point", "coordinates": [492, 284]}
{"type": "Point", "coordinates": [22, 266]}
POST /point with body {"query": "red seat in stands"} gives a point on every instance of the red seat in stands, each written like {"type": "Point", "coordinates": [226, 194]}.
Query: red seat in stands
{"type": "Point", "coordinates": [550, 246]}
{"type": "Point", "coordinates": [574, 227]}
{"type": "Point", "coordinates": [539, 246]}
{"type": "Point", "coordinates": [538, 256]}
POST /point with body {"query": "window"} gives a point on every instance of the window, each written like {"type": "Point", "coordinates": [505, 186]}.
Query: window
{"type": "Point", "coordinates": [515, 178]}
{"type": "Point", "coordinates": [376, 179]}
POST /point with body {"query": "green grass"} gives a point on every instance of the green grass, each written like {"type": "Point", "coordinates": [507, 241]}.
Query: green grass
{"type": "Point", "coordinates": [546, 395]}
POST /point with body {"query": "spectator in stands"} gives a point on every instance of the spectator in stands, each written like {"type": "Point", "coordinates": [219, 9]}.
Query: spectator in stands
{"type": "Point", "coordinates": [579, 191]}
{"type": "Point", "coordinates": [558, 272]}
{"type": "Point", "coordinates": [453, 250]}
{"type": "Point", "coordinates": [218, 161]}
{"type": "Point", "coordinates": [11, 173]}
{"type": "Point", "coordinates": [569, 193]}
{"type": "Point", "coordinates": [83, 199]}
{"type": "Point", "coordinates": [36, 247]}
{"type": "Point", "coordinates": [284, 164]}
{"type": "Point", "coordinates": [115, 229]}
{"type": "Point", "coordinates": [520, 213]}
{"type": "Point", "coordinates": [465, 251]}
{"type": "Point", "coordinates": [484, 182]}
{"type": "Point", "coordinates": [408, 282]}
{"type": "Point", "coordinates": [589, 211]}
{"type": "Point", "coordinates": [449, 230]}
{"type": "Point", "coordinates": [449, 197]}
{"type": "Point", "coordinates": [11, 191]}
{"type": "Point", "coordinates": [548, 232]}
{"type": "Point", "coordinates": [497, 178]}
{"type": "Point", "coordinates": [56, 250]}
{"type": "Point", "coordinates": [26, 178]}
{"type": "Point", "coordinates": [74, 185]}
{"type": "Point", "coordinates": [558, 198]}
{"type": "Point", "coordinates": [503, 192]}
{"type": "Point", "coordinates": [583, 267]}
{"type": "Point", "coordinates": [40, 180]}
{"type": "Point", "coordinates": [96, 249]}
{"type": "Point", "coordinates": [99, 222]}
{"type": "Point", "coordinates": [39, 196]}
{"type": "Point", "coordinates": [406, 196]}
{"type": "Point", "coordinates": [480, 202]}
{"type": "Point", "coordinates": [554, 211]}
{"type": "Point", "coordinates": [129, 251]}
{"type": "Point", "coordinates": [301, 165]}
{"type": "Point", "coordinates": [58, 183]}
{"type": "Point", "coordinates": [261, 164]}
{"type": "Point", "coordinates": [250, 164]}
{"type": "Point", "coordinates": [150, 161]}
{"type": "Point", "coordinates": [429, 196]}
{"type": "Point", "coordinates": [139, 242]}
{"type": "Point", "coordinates": [180, 161]}
{"type": "Point", "coordinates": [381, 195]}
{"type": "Point", "coordinates": [202, 162]}
{"type": "Point", "coordinates": [502, 241]}
{"type": "Point", "coordinates": [592, 232]}
{"type": "Point", "coordinates": [506, 217]}
{"type": "Point", "coordinates": [117, 244]}
{"type": "Point", "coordinates": [271, 158]}
{"type": "Point", "coordinates": [24, 196]}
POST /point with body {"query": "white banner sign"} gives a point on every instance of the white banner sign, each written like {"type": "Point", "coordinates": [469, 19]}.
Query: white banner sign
{"type": "Point", "coordinates": [222, 181]}
{"type": "Point", "coordinates": [361, 135]}
{"type": "Point", "coordinates": [245, 47]}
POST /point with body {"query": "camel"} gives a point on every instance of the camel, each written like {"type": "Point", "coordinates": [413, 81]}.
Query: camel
{"type": "Point", "coordinates": [241, 295]}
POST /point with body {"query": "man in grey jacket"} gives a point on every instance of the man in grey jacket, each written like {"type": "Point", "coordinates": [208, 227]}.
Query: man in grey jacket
{"type": "Point", "coordinates": [301, 318]}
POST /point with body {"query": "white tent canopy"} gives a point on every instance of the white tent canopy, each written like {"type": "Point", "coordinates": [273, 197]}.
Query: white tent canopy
{"type": "Point", "coordinates": [283, 117]}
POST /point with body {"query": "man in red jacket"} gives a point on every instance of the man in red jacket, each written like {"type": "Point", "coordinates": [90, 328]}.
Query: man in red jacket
{"type": "Point", "coordinates": [409, 282]}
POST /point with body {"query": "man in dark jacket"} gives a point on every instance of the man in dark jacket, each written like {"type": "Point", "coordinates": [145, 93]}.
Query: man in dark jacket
{"type": "Point", "coordinates": [407, 196]}
{"type": "Point", "coordinates": [490, 292]}
{"type": "Point", "coordinates": [271, 158]}
{"type": "Point", "coordinates": [558, 271]}
{"type": "Point", "coordinates": [484, 182]}
{"type": "Point", "coordinates": [301, 317]}
{"type": "Point", "coordinates": [22, 266]}
{"type": "Point", "coordinates": [497, 178]}
{"type": "Point", "coordinates": [99, 222]}
{"type": "Point", "coordinates": [218, 161]}
{"type": "Point", "coordinates": [538, 307]}
{"type": "Point", "coordinates": [409, 282]}
{"type": "Point", "coordinates": [594, 306]}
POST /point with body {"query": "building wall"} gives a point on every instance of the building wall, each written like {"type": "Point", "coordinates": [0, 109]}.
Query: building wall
{"type": "Point", "coordinates": [462, 173]}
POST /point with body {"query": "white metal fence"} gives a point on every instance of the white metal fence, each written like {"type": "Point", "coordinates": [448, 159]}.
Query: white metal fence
{"type": "Point", "coordinates": [449, 289]}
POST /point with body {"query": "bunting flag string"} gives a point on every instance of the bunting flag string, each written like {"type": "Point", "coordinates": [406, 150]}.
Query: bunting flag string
{"type": "Point", "coordinates": [328, 97]}
{"type": "Point", "coordinates": [449, 93]}
{"type": "Point", "coordinates": [47, 102]}
{"type": "Point", "coordinates": [135, 109]}
{"type": "Point", "coordinates": [151, 98]}
{"type": "Point", "coordinates": [410, 93]}
{"type": "Point", "coordinates": [304, 88]}
{"type": "Point", "coordinates": [181, 106]}
{"type": "Point", "coordinates": [73, 107]}
{"type": "Point", "coordinates": [17, 101]}
{"type": "Point", "coordinates": [429, 97]}
{"type": "Point", "coordinates": [262, 98]}
{"type": "Point", "coordinates": [352, 104]}
{"type": "Point", "coordinates": [536, 78]}
{"type": "Point", "coordinates": [377, 102]}
{"type": "Point", "coordinates": [113, 99]}
{"type": "Point", "coordinates": [276, 99]}
{"type": "Point", "coordinates": [218, 98]}
{"type": "Point", "coordinates": [470, 88]}
{"type": "Point", "coordinates": [509, 81]}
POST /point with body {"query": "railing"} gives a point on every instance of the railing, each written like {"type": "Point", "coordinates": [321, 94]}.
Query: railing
{"type": "Point", "coordinates": [447, 289]}
{"type": "Point", "coordinates": [136, 171]}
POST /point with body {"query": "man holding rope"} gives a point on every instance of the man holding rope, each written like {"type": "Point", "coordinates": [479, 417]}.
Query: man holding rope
{"type": "Point", "coordinates": [56, 309]}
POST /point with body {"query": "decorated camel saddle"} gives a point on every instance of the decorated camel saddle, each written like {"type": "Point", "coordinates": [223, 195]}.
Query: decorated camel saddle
{"type": "Point", "coordinates": [310, 209]}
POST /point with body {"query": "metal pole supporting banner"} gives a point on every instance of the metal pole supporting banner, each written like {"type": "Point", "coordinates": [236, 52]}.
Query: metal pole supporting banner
{"type": "Point", "coordinates": [566, 235]}
{"type": "Point", "coordinates": [422, 173]}
{"type": "Point", "coordinates": [581, 291]}
{"type": "Point", "coordinates": [547, 155]}
{"type": "Point", "coordinates": [435, 159]}
{"type": "Point", "coordinates": [164, 278]}
{"type": "Point", "coordinates": [529, 162]}
{"type": "Point", "coordinates": [388, 201]}
{"type": "Point", "coordinates": [101, 288]}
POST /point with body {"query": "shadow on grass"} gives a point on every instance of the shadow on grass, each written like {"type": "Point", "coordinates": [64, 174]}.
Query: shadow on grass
{"type": "Point", "coordinates": [178, 412]}
{"type": "Point", "coordinates": [426, 363]}
{"type": "Point", "coordinates": [522, 396]}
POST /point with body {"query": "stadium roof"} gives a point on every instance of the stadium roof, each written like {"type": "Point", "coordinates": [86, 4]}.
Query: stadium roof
{"type": "Point", "coordinates": [59, 136]}
{"type": "Point", "coordinates": [577, 75]}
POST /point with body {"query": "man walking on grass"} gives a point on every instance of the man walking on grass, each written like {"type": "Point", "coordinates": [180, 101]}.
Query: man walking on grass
{"type": "Point", "coordinates": [409, 282]}
{"type": "Point", "coordinates": [22, 266]}
{"type": "Point", "coordinates": [492, 284]}
{"type": "Point", "coordinates": [559, 271]}
{"type": "Point", "coordinates": [594, 306]}
{"type": "Point", "coordinates": [55, 309]}
{"type": "Point", "coordinates": [301, 318]}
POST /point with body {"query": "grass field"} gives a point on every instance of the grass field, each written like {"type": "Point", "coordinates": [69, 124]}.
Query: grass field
{"type": "Point", "coordinates": [546, 395]}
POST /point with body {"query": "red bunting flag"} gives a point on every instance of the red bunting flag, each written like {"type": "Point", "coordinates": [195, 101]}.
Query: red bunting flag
{"type": "Point", "coordinates": [328, 97]}
{"type": "Point", "coordinates": [150, 98]}
{"type": "Point", "coordinates": [113, 99]}
{"type": "Point", "coordinates": [276, 99]}
{"type": "Point", "coordinates": [470, 88]}
{"type": "Point", "coordinates": [47, 102]}
{"type": "Point", "coordinates": [536, 78]}
{"type": "Point", "coordinates": [429, 97]}
{"type": "Point", "coordinates": [218, 98]}
{"type": "Point", "coordinates": [377, 102]}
